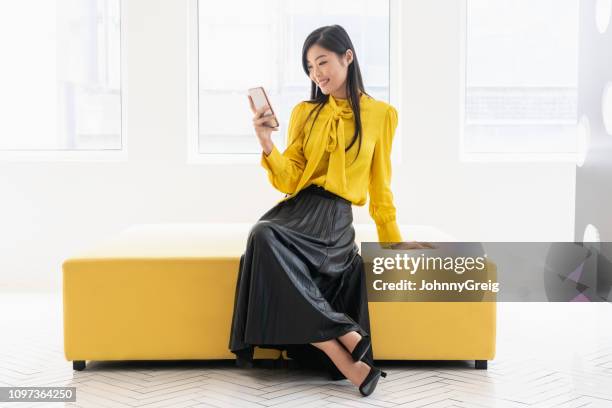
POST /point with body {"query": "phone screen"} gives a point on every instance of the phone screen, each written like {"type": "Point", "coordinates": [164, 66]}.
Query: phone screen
{"type": "Point", "coordinates": [258, 95]}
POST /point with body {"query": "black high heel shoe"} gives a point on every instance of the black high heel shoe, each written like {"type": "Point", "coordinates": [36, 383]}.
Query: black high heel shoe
{"type": "Point", "coordinates": [368, 385]}
{"type": "Point", "coordinates": [361, 348]}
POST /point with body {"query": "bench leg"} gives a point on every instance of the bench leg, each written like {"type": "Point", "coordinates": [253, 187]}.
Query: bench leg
{"type": "Point", "coordinates": [480, 364]}
{"type": "Point", "coordinates": [281, 363]}
{"type": "Point", "coordinates": [78, 365]}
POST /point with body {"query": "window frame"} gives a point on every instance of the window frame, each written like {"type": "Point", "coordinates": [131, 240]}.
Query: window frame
{"type": "Point", "coordinates": [490, 157]}
{"type": "Point", "coordinates": [194, 157]}
{"type": "Point", "coordinates": [85, 155]}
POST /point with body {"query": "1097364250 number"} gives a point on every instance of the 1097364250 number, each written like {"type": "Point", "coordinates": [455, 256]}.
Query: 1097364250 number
{"type": "Point", "coordinates": [37, 394]}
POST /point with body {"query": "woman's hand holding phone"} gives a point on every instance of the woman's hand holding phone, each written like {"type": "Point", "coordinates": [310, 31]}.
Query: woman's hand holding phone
{"type": "Point", "coordinates": [262, 129]}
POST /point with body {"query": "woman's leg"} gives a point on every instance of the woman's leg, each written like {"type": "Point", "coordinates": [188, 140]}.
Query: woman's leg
{"type": "Point", "coordinates": [356, 372]}
{"type": "Point", "coordinates": [350, 340]}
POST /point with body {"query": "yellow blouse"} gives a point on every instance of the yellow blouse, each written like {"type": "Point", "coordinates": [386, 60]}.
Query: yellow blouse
{"type": "Point", "coordinates": [318, 157]}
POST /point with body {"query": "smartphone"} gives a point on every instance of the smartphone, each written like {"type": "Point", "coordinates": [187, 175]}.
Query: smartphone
{"type": "Point", "coordinates": [260, 99]}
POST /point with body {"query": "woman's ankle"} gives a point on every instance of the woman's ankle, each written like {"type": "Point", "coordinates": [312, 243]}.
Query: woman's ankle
{"type": "Point", "coordinates": [350, 340]}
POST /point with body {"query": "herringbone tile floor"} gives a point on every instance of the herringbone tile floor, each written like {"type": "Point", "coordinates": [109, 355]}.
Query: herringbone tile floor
{"type": "Point", "coordinates": [548, 355]}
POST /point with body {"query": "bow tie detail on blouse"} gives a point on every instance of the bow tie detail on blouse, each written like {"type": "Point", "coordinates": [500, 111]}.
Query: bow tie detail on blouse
{"type": "Point", "coordinates": [335, 124]}
{"type": "Point", "coordinates": [333, 142]}
{"type": "Point", "coordinates": [335, 145]}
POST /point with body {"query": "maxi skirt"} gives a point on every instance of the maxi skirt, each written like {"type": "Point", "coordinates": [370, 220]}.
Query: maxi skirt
{"type": "Point", "coordinates": [301, 280]}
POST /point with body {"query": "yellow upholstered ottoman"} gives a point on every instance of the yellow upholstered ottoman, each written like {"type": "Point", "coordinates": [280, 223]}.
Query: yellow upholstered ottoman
{"type": "Point", "coordinates": [166, 292]}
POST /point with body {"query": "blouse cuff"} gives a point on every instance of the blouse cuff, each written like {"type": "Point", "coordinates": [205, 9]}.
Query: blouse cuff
{"type": "Point", "coordinates": [389, 232]}
{"type": "Point", "coordinates": [273, 161]}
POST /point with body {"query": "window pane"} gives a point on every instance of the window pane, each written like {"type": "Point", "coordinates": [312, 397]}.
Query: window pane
{"type": "Point", "coordinates": [60, 75]}
{"type": "Point", "coordinates": [521, 75]}
{"type": "Point", "coordinates": [243, 44]}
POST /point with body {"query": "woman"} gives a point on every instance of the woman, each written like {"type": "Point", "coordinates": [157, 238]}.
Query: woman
{"type": "Point", "coordinates": [301, 283]}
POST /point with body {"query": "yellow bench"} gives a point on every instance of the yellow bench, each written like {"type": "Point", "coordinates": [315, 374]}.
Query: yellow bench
{"type": "Point", "coordinates": [166, 292]}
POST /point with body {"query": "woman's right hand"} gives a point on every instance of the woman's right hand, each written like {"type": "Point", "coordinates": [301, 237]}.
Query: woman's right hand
{"type": "Point", "coordinates": [262, 129]}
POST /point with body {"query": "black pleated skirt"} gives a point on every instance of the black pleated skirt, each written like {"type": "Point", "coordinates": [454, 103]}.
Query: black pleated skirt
{"type": "Point", "coordinates": [301, 280]}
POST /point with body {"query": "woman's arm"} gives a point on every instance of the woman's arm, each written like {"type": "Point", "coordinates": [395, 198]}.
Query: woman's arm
{"type": "Point", "coordinates": [381, 206]}
{"type": "Point", "coordinates": [284, 170]}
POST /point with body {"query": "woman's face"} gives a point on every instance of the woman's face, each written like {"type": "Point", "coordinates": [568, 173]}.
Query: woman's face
{"type": "Point", "coordinates": [328, 70]}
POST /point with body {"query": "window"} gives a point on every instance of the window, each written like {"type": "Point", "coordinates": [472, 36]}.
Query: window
{"type": "Point", "coordinates": [521, 72]}
{"type": "Point", "coordinates": [242, 44]}
{"type": "Point", "coordinates": [60, 75]}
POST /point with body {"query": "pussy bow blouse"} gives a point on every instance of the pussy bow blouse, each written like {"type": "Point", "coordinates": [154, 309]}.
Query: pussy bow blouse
{"type": "Point", "coordinates": [317, 156]}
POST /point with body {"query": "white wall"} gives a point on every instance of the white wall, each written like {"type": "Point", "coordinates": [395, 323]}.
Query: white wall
{"type": "Point", "coordinates": [49, 210]}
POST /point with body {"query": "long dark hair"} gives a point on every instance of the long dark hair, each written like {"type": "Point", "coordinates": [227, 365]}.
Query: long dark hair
{"type": "Point", "coordinates": [335, 38]}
